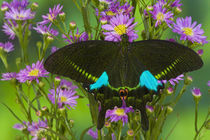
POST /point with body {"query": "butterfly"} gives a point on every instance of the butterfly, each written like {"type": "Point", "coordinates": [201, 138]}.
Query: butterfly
{"type": "Point", "coordinates": [123, 72]}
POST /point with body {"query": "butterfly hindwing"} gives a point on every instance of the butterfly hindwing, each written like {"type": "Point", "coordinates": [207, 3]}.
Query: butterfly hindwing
{"type": "Point", "coordinates": [83, 61]}
{"type": "Point", "coordinates": [165, 59]}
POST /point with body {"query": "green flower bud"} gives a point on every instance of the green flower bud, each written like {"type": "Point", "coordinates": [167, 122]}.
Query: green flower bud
{"type": "Point", "coordinates": [34, 6]}
{"type": "Point", "coordinates": [39, 113]}
{"type": "Point", "coordinates": [178, 10]}
{"type": "Point", "coordinates": [188, 81]}
{"type": "Point", "coordinates": [62, 16]}
{"type": "Point", "coordinates": [130, 132]}
{"type": "Point", "coordinates": [149, 8]}
{"type": "Point", "coordinates": [50, 38]}
{"type": "Point", "coordinates": [169, 109]}
{"type": "Point", "coordinates": [170, 90]}
{"type": "Point", "coordinates": [72, 25]}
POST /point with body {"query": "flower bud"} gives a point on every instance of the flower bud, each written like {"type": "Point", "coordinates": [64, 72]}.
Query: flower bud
{"type": "Point", "coordinates": [149, 8]}
{"type": "Point", "coordinates": [4, 6]}
{"type": "Point", "coordinates": [62, 110]}
{"type": "Point", "coordinates": [62, 16]}
{"type": "Point", "coordinates": [188, 80]}
{"type": "Point", "coordinates": [57, 81]}
{"type": "Point", "coordinates": [39, 113]}
{"type": "Point", "coordinates": [200, 52]}
{"type": "Point", "coordinates": [196, 94]}
{"type": "Point", "coordinates": [208, 84]}
{"type": "Point", "coordinates": [169, 109]}
{"type": "Point", "coordinates": [41, 84]}
{"type": "Point", "coordinates": [170, 90]}
{"type": "Point", "coordinates": [101, 7]}
{"type": "Point", "coordinates": [130, 132]}
{"type": "Point", "coordinates": [39, 44]}
{"type": "Point", "coordinates": [44, 109]}
{"type": "Point", "coordinates": [103, 20]}
{"type": "Point", "coordinates": [72, 25]}
{"type": "Point", "coordinates": [178, 10]}
{"type": "Point", "coordinates": [107, 124]}
{"type": "Point", "coordinates": [149, 109]}
{"type": "Point", "coordinates": [50, 38]}
{"type": "Point", "coordinates": [207, 124]}
{"type": "Point", "coordinates": [34, 6]}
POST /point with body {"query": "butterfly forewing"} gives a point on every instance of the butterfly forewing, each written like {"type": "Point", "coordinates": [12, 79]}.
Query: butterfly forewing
{"type": "Point", "coordinates": [165, 59]}
{"type": "Point", "coordinates": [83, 61]}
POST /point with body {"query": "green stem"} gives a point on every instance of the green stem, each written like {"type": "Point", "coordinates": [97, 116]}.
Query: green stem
{"type": "Point", "coordinates": [4, 60]}
{"type": "Point", "coordinates": [196, 117]}
{"type": "Point", "coordinates": [119, 131]}
{"type": "Point", "coordinates": [99, 135]}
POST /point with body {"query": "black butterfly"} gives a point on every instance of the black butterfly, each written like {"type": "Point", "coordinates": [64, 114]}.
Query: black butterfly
{"type": "Point", "coordinates": [123, 71]}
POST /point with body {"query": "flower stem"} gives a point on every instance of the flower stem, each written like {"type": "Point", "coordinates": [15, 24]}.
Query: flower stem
{"type": "Point", "coordinates": [99, 135]}
{"type": "Point", "coordinates": [196, 117]}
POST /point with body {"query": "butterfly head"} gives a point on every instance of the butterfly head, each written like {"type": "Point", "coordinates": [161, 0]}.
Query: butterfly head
{"type": "Point", "coordinates": [123, 93]}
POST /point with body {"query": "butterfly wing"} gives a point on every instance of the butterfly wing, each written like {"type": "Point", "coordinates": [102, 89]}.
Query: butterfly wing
{"type": "Point", "coordinates": [165, 59]}
{"type": "Point", "coordinates": [83, 61]}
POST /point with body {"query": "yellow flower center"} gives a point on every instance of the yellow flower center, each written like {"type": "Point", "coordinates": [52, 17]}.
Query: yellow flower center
{"type": "Point", "coordinates": [188, 31]}
{"type": "Point", "coordinates": [77, 35]}
{"type": "Point", "coordinates": [34, 72]}
{"type": "Point", "coordinates": [119, 112]}
{"type": "Point", "coordinates": [120, 29]}
{"type": "Point", "coordinates": [110, 13]}
{"type": "Point", "coordinates": [63, 99]}
{"type": "Point", "coordinates": [160, 16]}
{"type": "Point", "coordinates": [50, 17]}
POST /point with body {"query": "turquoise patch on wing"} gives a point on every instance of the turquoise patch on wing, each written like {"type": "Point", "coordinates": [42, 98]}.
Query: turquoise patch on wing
{"type": "Point", "coordinates": [102, 81]}
{"type": "Point", "coordinates": [149, 81]}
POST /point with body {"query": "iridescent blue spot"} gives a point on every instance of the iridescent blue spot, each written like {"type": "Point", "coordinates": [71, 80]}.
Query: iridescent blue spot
{"type": "Point", "coordinates": [149, 81]}
{"type": "Point", "coordinates": [102, 81]}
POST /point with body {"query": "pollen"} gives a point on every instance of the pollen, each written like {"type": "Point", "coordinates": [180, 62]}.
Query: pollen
{"type": "Point", "coordinates": [119, 112]}
{"type": "Point", "coordinates": [120, 29]}
{"type": "Point", "coordinates": [188, 31]}
{"type": "Point", "coordinates": [63, 99]}
{"type": "Point", "coordinates": [160, 16]}
{"type": "Point", "coordinates": [50, 17]}
{"type": "Point", "coordinates": [110, 13]}
{"type": "Point", "coordinates": [34, 72]}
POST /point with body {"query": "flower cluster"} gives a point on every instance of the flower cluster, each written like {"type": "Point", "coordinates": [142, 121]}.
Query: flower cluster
{"type": "Point", "coordinates": [65, 95]}
{"type": "Point", "coordinates": [36, 129]}
{"type": "Point", "coordinates": [16, 13]}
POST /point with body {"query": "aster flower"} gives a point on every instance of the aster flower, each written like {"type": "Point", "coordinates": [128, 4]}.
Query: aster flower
{"type": "Point", "coordinates": [119, 114]}
{"type": "Point", "coordinates": [173, 81]}
{"type": "Point", "coordinates": [51, 16]}
{"type": "Point", "coordinates": [189, 30]}
{"type": "Point", "coordinates": [161, 3]}
{"type": "Point", "coordinates": [92, 133]}
{"type": "Point", "coordinates": [64, 84]}
{"type": "Point", "coordinates": [33, 72]}
{"type": "Point", "coordinates": [37, 130]}
{"type": "Point", "coordinates": [196, 92]}
{"type": "Point", "coordinates": [77, 37]}
{"type": "Point", "coordinates": [8, 76]}
{"type": "Point", "coordinates": [119, 25]}
{"type": "Point", "coordinates": [160, 14]}
{"type": "Point", "coordinates": [176, 3]}
{"type": "Point", "coordinates": [16, 14]}
{"type": "Point", "coordinates": [19, 4]}
{"type": "Point", "coordinates": [200, 52]}
{"type": "Point", "coordinates": [7, 47]}
{"type": "Point", "coordinates": [44, 30]}
{"type": "Point", "coordinates": [8, 29]}
{"type": "Point", "coordinates": [21, 127]}
{"type": "Point", "coordinates": [64, 97]}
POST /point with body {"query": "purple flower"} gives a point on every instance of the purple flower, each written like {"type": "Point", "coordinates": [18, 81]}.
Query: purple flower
{"type": "Point", "coordinates": [7, 47]}
{"type": "Point", "coordinates": [64, 97]}
{"type": "Point", "coordinates": [32, 72]}
{"type": "Point", "coordinates": [119, 25]}
{"type": "Point", "coordinates": [208, 84]}
{"type": "Point", "coordinates": [8, 76]}
{"type": "Point", "coordinates": [200, 52]}
{"type": "Point", "coordinates": [16, 14]}
{"type": "Point", "coordinates": [20, 126]}
{"type": "Point", "coordinates": [161, 15]}
{"type": "Point", "coordinates": [54, 49]}
{"type": "Point", "coordinates": [8, 29]}
{"type": "Point", "coordinates": [176, 3]}
{"type": "Point", "coordinates": [150, 108]}
{"type": "Point", "coordinates": [19, 4]}
{"type": "Point", "coordinates": [196, 92]}
{"type": "Point", "coordinates": [64, 84]}
{"type": "Point", "coordinates": [37, 130]}
{"type": "Point", "coordinates": [173, 81]}
{"type": "Point", "coordinates": [189, 30]}
{"type": "Point", "coordinates": [78, 37]}
{"type": "Point", "coordinates": [161, 3]}
{"type": "Point", "coordinates": [51, 16]}
{"type": "Point", "coordinates": [119, 114]}
{"type": "Point", "coordinates": [44, 30]}
{"type": "Point", "coordinates": [92, 133]}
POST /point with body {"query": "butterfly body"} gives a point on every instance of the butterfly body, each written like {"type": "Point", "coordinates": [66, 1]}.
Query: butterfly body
{"type": "Point", "coordinates": [118, 72]}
